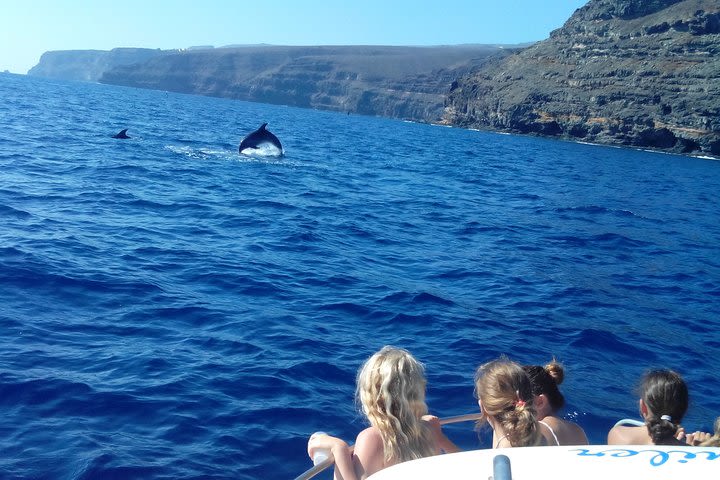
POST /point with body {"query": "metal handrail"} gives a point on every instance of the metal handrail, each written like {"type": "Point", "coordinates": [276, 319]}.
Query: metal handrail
{"type": "Point", "coordinates": [501, 468]}
{"type": "Point", "coordinates": [320, 467]}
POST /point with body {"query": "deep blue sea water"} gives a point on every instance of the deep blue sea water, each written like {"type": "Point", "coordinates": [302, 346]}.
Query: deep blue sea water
{"type": "Point", "coordinates": [170, 309]}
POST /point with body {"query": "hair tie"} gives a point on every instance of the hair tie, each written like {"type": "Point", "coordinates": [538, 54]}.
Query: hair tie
{"type": "Point", "coordinates": [666, 417]}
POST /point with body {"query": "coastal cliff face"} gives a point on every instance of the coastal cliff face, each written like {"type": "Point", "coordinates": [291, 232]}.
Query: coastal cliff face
{"type": "Point", "coordinates": [400, 82]}
{"type": "Point", "coordinates": [88, 65]}
{"type": "Point", "coordinates": [640, 73]}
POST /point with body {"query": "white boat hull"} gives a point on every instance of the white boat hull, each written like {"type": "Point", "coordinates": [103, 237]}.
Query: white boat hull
{"type": "Point", "coordinates": [613, 462]}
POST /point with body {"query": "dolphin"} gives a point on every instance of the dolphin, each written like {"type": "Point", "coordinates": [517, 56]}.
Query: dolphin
{"type": "Point", "coordinates": [261, 139]}
{"type": "Point", "coordinates": [122, 134]}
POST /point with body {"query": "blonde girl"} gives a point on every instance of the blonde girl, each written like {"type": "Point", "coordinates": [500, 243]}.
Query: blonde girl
{"type": "Point", "coordinates": [391, 394]}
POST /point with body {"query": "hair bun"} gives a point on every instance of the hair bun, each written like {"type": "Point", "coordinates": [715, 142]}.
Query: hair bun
{"type": "Point", "coordinates": [555, 370]}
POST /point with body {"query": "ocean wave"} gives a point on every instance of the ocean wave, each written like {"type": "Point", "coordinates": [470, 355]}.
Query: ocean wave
{"type": "Point", "coordinates": [172, 309]}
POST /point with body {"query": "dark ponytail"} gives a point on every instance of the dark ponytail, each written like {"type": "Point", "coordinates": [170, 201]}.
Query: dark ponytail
{"type": "Point", "coordinates": [665, 395]}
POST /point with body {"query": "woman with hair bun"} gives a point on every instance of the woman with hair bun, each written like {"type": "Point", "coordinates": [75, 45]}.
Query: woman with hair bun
{"type": "Point", "coordinates": [391, 394]}
{"type": "Point", "coordinates": [506, 400]}
{"type": "Point", "coordinates": [663, 402]}
{"type": "Point", "coordinates": [549, 401]}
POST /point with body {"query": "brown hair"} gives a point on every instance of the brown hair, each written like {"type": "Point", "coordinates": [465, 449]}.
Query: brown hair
{"type": "Point", "coordinates": [505, 391]}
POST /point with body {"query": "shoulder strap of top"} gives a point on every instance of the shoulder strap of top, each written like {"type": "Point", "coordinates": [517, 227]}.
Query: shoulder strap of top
{"type": "Point", "coordinates": [497, 444]}
{"type": "Point", "coordinates": [551, 431]}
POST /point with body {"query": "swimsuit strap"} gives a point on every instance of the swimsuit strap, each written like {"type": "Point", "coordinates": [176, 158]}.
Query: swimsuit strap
{"type": "Point", "coordinates": [497, 444]}
{"type": "Point", "coordinates": [551, 431]}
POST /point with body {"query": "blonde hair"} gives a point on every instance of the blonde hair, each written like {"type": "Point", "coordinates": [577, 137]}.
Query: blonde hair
{"type": "Point", "coordinates": [506, 394]}
{"type": "Point", "coordinates": [391, 393]}
{"type": "Point", "coordinates": [713, 441]}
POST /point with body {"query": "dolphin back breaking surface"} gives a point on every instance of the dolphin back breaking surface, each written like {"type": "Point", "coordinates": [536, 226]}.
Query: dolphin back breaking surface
{"type": "Point", "coordinates": [122, 134]}
{"type": "Point", "coordinates": [261, 142]}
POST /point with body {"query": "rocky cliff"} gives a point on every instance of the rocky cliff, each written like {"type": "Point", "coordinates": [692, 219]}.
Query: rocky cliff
{"type": "Point", "coordinates": [641, 73]}
{"type": "Point", "coordinates": [399, 82]}
{"type": "Point", "coordinates": [88, 65]}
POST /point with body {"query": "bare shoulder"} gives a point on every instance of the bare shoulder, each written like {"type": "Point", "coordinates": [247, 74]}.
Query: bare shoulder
{"type": "Point", "coordinates": [553, 421]}
{"type": "Point", "coordinates": [370, 435]}
{"type": "Point", "coordinates": [567, 424]}
{"type": "Point", "coordinates": [617, 435]}
{"type": "Point", "coordinates": [621, 434]}
{"type": "Point", "coordinates": [575, 433]}
{"type": "Point", "coordinates": [369, 453]}
{"type": "Point", "coordinates": [560, 425]}
{"type": "Point", "coordinates": [567, 432]}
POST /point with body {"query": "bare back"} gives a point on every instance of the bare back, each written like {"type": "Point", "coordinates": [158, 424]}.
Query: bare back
{"type": "Point", "coordinates": [369, 454]}
{"type": "Point", "coordinates": [567, 433]}
{"type": "Point", "coordinates": [624, 435]}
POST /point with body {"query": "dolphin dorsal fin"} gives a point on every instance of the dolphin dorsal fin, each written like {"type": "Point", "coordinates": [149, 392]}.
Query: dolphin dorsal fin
{"type": "Point", "coordinates": [262, 127]}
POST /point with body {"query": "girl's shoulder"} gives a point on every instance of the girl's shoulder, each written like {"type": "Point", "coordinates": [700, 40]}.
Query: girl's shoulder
{"type": "Point", "coordinates": [568, 433]}
{"type": "Point", "coordinates": [369, 451]}
{"type": "Point", "coordinates": [622, 434]}
{"type": "Point", "coordinates": [370, 439]}
{"type": "Point", "coordinates": [558, 424]}
{"type": "Point", "coordinates": [370, 433]}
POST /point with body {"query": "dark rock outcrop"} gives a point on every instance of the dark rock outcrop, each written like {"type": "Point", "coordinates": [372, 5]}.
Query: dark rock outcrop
{"type": "Point", "coordinates": [89, 65]}
{"type": "Point", "coordinates": [640, 73]}
{"type": "Point", "coordinates": [399, 82]}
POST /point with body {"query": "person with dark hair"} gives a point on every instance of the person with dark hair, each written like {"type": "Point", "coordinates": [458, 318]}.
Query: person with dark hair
{"type": "Point", "coordinates": [549, 401]}
{"type": "Point", "coordinates": [663, 402]}
{"type": "Point", "coordinates": [506, 400]}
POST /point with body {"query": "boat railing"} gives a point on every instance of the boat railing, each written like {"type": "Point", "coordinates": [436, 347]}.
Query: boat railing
{"type": "Point", "coordinates": [629, 422]}
{"type": "Point", "coordinates": [322, 466]}
{"type": "Point", "coordinates": [501, 468]}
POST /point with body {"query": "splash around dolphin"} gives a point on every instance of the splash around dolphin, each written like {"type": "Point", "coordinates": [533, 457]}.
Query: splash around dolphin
{"type": "Point", "coordinates": [261, 142]}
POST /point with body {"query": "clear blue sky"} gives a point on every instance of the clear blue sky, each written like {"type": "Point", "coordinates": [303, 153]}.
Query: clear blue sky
{"type": "Point", "coordinates": [28, 28]}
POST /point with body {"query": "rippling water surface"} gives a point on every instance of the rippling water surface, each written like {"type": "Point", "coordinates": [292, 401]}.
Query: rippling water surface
{"type": "Point", "coordinates": [170, 309]}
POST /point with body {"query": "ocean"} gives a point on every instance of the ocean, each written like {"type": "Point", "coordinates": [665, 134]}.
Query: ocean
{"type": "Point", "coordinates": [171, 309]}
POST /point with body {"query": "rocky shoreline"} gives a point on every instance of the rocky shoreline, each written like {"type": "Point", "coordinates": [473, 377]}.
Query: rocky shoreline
{"type": "Point", "coordinates": [642, 74]}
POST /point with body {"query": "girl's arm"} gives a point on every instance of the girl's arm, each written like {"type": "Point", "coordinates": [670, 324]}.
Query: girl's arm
{"type": "Point", "coordinates": [344, 469]}
{"type": "Point", "coordinates": [443, 443]}
{"type": "Point", "coordinates": [366, 459]}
